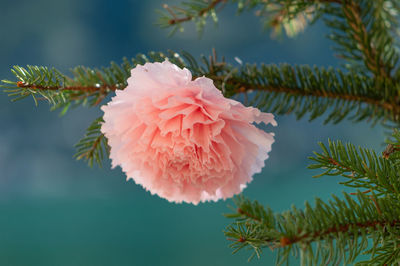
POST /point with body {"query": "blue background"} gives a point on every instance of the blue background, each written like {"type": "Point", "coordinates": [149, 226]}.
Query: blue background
{"type": "Point", "coordinates": [58, 211]}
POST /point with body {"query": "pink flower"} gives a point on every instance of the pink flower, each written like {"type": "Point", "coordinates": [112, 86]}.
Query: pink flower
{"type": "Point", "coordinates": [181, 138]}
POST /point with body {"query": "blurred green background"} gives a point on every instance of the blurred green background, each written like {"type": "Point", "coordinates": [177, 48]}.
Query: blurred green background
{"type": "Point", "coordinates": [57, 211]}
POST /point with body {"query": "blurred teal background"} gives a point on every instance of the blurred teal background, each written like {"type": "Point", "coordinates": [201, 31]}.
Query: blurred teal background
{"type": "Point", "coordinates": [57, 211]}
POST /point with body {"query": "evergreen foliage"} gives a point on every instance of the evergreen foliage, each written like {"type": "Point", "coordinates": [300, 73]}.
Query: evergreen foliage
{"type": "Point", "coordinates": [272, 12]}
{"type": "Point", "coordinates": [93, 146]}
{"type": "Point", "coordinates": [364, 222]}
{"type": "Point", "coordinates": [336, 231]}
{"type": "Point", "coordinates": [300, 90]}
{"type": "Point", "coordinates": [329, 233]}
{"type": "Point", "coordinates": [362, 167]}
{"type": "Point", "coordinates": [281, 89]}
{"type": "Point", "coordinates": [363, 31]}
{"type": "Point", "coordinates": [86, 86]}
{"type": "Point", "coordinates": [367, 87]}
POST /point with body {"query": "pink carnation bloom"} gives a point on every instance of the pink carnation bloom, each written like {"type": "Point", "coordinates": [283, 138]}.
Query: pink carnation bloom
{"type": "Point", "coordinates": [181, 138]}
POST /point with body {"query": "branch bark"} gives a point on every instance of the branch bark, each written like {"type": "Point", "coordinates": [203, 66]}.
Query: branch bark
{"type": "Point", "coordinates": [286, 241]}
{"type": "Point", "coordinates": [373, 62]}
{"type": "Point", "coordinates": [176, 20]}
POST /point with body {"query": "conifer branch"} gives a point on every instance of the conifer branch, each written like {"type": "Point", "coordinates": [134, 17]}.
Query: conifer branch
{"type": "Point", "coordinates": [337, 230]}
{"type": "Point", "coordinates": [93, 146]}
{"type": "Point", "coordinates": [274, 12]}
{"type": "Point", "coordinates": [373, 62]}
{"type": "Point", "coordinates": [285, 89]}
{"type": "Point", "coordinates": [175, 19]}
{"type": "Point", "coordinates": [86, 86]}
{"type": "Point", "coordinates": [343, 228]}
{"type": "Point", "coordinates": [20, 84]}
{"type": "Point", "coordinates": [282, 89]}
{"type": "Point", "coordinates": [362, 167]}
{"type": "Point", "coordinates": [324, 234]}
{"type": "Point", "coordinates": [388, 106]}
{"type": "Point", "coordinates": [363, 31]}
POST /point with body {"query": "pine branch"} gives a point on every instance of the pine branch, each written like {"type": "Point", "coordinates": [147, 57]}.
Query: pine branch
{"type": "Point", "coordinates": [93, 146]}
{"type": "Point", "coordinates": [285, 89]}
{"type": "Point", "coordinates": [372, 59]}
{"type": "Point", "coordinates": [291, 15]}
{"type": "Point", "coordinates": [274, 12]}
{"type": "Point", "coordinates": [20, 84]}
{"type": "Point", "coordinates": [86, 86]}
{"type": "Point", "coordinates": [362, 30]}
{"type": "Point", "coordinates": [282, 89]}
{"type": "Point", "coordinates": [387, 254]}
{"type": "Point", "coordinates": [195, 10]}
{"type": "Point", "coordinates": [392, 150]}
{"type": "Point", "coordinates": [362, 167]}
{"type": "Point", "coordinates": [323, 234]}
{"type": "Point", "coordinates": [201, 11]}
{"type": "Point", "coordinates": [337, 231]}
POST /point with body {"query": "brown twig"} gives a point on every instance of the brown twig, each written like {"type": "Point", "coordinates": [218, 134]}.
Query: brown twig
{"type": "Point", "coordinates": [389, 106]}
{"type": "Point", "coordinates": [390, 148]}
{"type": "Point", "coordinates": [89, 153]}
{"type": "Point", "coordinates": [20, 84]}
{"type": "Point", "coordinates": [239, 210]}
{"type": "Point", "coordinates": [352, 11]}
{"type": "Point", "coordinates": [286, 241]}
{"type": "Point", "coordinates": [176, 20]}
{"type": "Point", "coordinates": [245, 87]}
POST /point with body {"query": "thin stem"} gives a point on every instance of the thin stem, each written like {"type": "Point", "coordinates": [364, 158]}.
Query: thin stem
{"type": "Point", "coordinates": [338, 164]}
{"type": "Point", "coordinates": [239, 210]}
{"type": "Point", "coordinates": [176, 20]}
{"type": "Point", "coordinates": [344, 228]}
{"type": "Point", "coordinates": [20, 84]}
{"type": "Point", "coordinates": [372, 60]}
{"type": "Point", "coordinates": [245, 87]}
{"type": "Point", "coordinates": [389, 106]}
{"type": "Point", "coordinates": [283, 12]}
{"type": "Point", "coordinates": [390, 148]}
{"type": "Point", "coordinates": [89, 154]}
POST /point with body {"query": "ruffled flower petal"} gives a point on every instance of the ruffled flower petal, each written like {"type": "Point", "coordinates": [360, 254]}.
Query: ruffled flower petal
{"type": "Point", "coordinates": [182, 139]}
